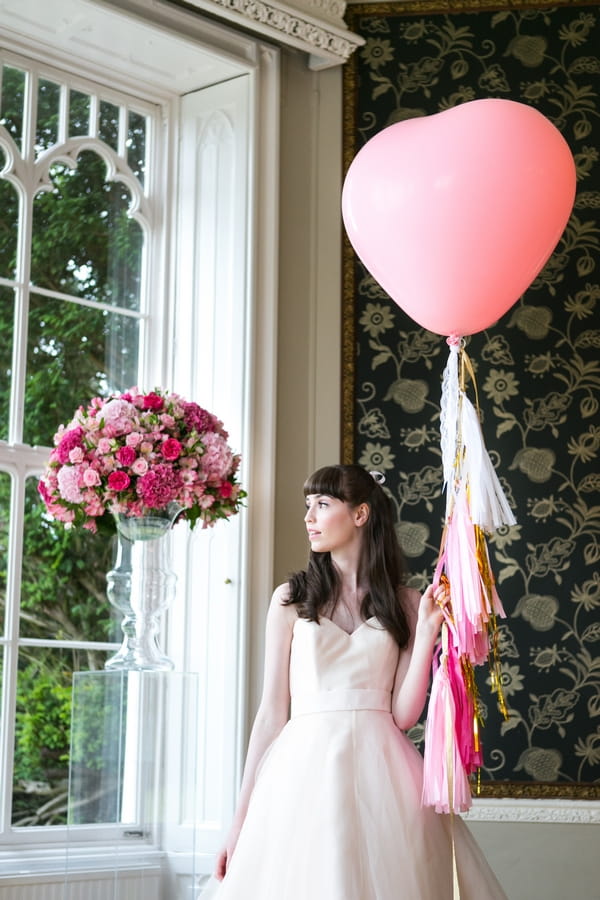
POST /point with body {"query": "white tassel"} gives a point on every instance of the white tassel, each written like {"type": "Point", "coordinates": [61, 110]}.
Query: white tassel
{"type": "Point", "coordinates": [489, 507]}
{"type": "Point", "coordinates": [449, 419]}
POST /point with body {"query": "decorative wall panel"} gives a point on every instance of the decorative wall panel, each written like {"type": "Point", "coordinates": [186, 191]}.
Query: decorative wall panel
{"type": "Point", "coordinates": [537, 372]}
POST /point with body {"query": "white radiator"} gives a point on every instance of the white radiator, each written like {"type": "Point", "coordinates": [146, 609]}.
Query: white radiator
{"type": "Point", "coordinates": [134, 885]}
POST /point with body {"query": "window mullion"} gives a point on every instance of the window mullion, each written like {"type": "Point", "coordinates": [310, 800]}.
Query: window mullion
{"type": "Point", "coordinates": [11, 647]}
{"type": "Point", "coordinates": [23, 263]}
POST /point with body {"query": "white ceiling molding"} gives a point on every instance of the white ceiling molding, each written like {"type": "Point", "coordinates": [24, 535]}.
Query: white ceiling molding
{"type": "Point", "coordinates": [315, 26]}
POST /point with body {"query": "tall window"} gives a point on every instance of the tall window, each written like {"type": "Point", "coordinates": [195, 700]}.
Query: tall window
{"type": "Point", "coordinates": [138, 245]}
{"type": "Point", "coordinates": [76, 231]}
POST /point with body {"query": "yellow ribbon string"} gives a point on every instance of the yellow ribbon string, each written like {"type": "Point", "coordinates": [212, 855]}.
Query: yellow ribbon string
{"type": "Point", "coordinates": [466, 364]}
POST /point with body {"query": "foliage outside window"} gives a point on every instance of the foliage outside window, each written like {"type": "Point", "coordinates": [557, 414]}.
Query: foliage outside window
{"type": "Point", "coordinates": [74, 230]}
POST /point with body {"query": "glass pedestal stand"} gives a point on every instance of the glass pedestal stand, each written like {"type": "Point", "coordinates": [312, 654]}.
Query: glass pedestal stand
{"type": "Point", "coordinates": [132, 787]}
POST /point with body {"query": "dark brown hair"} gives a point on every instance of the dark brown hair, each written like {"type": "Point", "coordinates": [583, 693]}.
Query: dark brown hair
{"type": "Point", "coordinates": [381, 565]}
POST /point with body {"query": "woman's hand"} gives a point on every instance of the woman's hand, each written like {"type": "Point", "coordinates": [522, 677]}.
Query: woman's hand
{"type": "Point", "coordinates": [431, 609]}
{"type": "Point", "coordinates": [225, 854]}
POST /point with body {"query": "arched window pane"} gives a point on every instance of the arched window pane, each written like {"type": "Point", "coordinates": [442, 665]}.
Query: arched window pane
{"type": "Point", "coordinates": [108, 128]}
{"type": "Point", "coordinates": [63, 591]}
{"type": "Point", "coordinates": [9, 224]}
{"type": "Point", "coordinates": [79, 113]}
{"type": "Point", "coordinates": [42, 733]}
{"type": "Point", "coordinates": [13, 98]}
{"type": "Point", "coordinates": [5, 488]}
{"type": "Point", "coordinates": [136, 145]}
{"type": "Point", "coordinates": [84, 243]}
{"type": "Point", "coordinates": [7, 314]}
{"type": "Point", "coordinates": [74, 353]}
{"type": "Point", "coordinates": [48, 110]}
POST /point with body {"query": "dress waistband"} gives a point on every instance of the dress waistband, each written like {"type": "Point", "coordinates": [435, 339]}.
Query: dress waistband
{"type": "Point", "coordinates": [341, 699]}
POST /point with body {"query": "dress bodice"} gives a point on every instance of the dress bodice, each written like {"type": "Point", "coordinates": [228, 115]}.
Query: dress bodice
{"type": "Point", "coordinates": [333, 670]}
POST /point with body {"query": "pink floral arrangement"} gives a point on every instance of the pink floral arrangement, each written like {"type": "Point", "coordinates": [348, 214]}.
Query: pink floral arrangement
{"type": "Point", "coordinates": [135, 453]}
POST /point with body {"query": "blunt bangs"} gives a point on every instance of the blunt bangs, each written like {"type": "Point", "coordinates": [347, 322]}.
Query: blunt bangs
{"type": "Point", "coordinates": [328, 480]}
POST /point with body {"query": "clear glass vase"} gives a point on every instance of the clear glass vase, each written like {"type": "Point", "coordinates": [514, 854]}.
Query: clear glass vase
{"type": "Point", "coordinates": [141, 585]}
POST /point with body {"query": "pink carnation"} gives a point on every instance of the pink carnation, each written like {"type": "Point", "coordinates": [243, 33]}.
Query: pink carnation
{"type": "Point", "coordinates": [119, 480]}
{"type": "Point", "coordinates": [69, 440]}
{"type": "Point", "coordinates": [159, 486]}
{"type": "Point", "coordinates": [44, 492]}
{"type": "Point", "coordinates": [198, 419]}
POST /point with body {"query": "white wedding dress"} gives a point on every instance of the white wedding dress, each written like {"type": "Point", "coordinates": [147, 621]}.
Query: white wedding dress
{"type": "Point", "coordinates": [336, 809]}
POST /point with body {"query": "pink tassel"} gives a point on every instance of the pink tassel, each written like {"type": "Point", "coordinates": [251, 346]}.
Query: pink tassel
{"type": "Point", "coordinates": [445, 782]}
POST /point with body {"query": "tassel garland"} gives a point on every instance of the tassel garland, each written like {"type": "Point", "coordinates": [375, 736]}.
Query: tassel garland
{"type": "Point", "coordinates": [475, 506]}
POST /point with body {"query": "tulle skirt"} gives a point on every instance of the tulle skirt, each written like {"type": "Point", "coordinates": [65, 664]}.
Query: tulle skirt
{"type": "Point", "coordinates": [336, 814]}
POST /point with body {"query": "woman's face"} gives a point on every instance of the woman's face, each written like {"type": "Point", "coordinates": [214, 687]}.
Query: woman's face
{"type": "Point", "coordinates": [332, 524]}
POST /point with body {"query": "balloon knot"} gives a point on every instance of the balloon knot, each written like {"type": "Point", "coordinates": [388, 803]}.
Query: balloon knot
{"type": "Point", "coordinates": [454, 341]}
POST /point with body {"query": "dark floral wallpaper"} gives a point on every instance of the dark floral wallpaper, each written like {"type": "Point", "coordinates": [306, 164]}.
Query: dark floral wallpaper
{"type": "Point", "coordinates": [537, 372]}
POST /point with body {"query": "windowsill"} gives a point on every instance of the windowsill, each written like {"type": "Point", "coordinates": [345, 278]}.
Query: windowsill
{"type": "Point", "coordinates": [17, 864]}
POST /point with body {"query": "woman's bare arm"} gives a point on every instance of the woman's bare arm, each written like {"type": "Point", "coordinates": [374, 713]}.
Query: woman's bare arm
{"type": "Point", "coordinates": [414, 666]}
{"type": "Point", "coordinates": [273, 710]}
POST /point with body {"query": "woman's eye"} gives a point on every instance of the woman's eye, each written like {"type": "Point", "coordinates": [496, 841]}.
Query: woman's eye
{"type": "Point", "coordinates": [323, 504]}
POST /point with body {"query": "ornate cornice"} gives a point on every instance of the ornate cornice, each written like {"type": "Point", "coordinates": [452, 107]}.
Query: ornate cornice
{"type": "Point", "coordinates": [315, 26]}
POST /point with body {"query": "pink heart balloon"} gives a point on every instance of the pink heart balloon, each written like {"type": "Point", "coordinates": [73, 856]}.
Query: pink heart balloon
{"type": "Point", "coordinates": [456, 213]}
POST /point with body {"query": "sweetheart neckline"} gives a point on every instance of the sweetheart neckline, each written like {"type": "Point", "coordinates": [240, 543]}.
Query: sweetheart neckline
{"type": "Point", "coordinates": [339, 627]}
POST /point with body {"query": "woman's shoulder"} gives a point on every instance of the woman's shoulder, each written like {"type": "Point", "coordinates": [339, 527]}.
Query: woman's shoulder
{"type": "Point", "coordinates": [281, 594]}
{"type": "Point", "coordinates": [280, 609]}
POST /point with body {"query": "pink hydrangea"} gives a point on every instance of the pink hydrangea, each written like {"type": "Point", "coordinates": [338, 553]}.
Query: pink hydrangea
{"type": "Point", "coordinates": [217, 459]}
{"type": "Point", "coordinates": [68, 484]}
{"type": "Point", "coordinates": [118, 416]}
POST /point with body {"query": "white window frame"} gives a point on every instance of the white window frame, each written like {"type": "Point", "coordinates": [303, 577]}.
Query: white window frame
{"type": "Point", "coordinates": [233, 55]}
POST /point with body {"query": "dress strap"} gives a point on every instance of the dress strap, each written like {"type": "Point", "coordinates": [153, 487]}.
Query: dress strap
{"type": "Point", "coordinates": [340, 700]}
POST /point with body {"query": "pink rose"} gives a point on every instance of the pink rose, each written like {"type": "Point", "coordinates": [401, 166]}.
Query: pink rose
{"type": "Point", "coordinates": [133, 439]}
{"type": "Point", "coordinates": [91, 478]}
{"type": "Point", "coordinates": [119, 480]}
{"type": "Point", "coordinates": [171, 449]}
{"type": "Point", "coordinates": [140, 466]}
{"type": "Point", "coordinates": [103, 447]}
{"type": "Point", "coordinates": [226, 489]}
{"type": "Point", "coordinates": [153, 401]}
{"type": "Point", "coordinates": [126, 455]}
